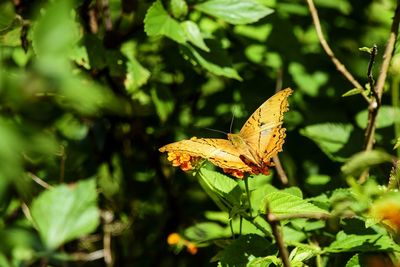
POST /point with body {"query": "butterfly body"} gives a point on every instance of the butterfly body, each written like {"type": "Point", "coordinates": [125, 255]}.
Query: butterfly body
{"type": "Point", "coordinates": [250, 150]}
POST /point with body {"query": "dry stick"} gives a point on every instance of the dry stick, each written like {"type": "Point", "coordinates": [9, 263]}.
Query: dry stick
{"type": "Point", "coordinates": [39, 181]}
{"type": "Point", "coordinates": [339, 66]}
{"type": "Point", "coordinates": [378, 88]}
{"type": "Point", "coordinates": [279, 169]}
{"type": "Point", "coordinates": [278, 238]}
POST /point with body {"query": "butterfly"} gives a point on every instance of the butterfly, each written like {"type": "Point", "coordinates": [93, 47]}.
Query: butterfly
{"type": "Point", "coordinates": [249, 151]}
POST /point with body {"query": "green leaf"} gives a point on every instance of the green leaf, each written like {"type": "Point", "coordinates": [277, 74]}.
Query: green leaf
{"type": "Point", "coordinates": [308, 83]}
{"type": "Point", "coordinates": [179, 8]}
{"type": "Point", "coordinates": [217, 61]}
{"type": "Point", "coordinates": [163, 102]}
{"type": "Point", "coordinates": [397, 143]}
{"type": "Point", "coordinates": [222, 189]}
{"type": "Point", "coordinates": [363, 160]}
{"type": "Point", "coordinates": [206, 231]}
{"type": "Point", "coordinates": [354, 91]}
{"type": "Point", "coordinates": [66, 212]}
{"type": "Point", "coordinates": [235, 11]}
{"type": "Point", "coordinates": [244, 249]}
{"type": "Point", "coordinates": [394, 178]}
{"type": "Point", "coordinates": [330, 137]}
{"type": "Point", "coordinates": [136, 74]}
{"type": "Point", "coordinates": [361, 243]}
{"type": "Point", "coordinates": [365, 49]}
{"type": "Point", "coordinates": [71, 127]}
{"type": "Point", "coordinates": [158, 23]}
{"type": "Point", "coordinates": [193, 35]}
{"type": "Point", "coordinates": [387, 116]}
{"type": "Point", "coordinates": [283, 203]}
{"type": "Point", "coordinates": [354, 261]}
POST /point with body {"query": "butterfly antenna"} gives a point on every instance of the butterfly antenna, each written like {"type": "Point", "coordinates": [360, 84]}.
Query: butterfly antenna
{"type": "Point", "coordinates": [218, 131]}
{"type": "Point", "coordinates": [233, 118]}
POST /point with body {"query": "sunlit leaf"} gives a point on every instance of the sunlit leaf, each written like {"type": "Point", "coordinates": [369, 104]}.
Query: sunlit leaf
{"type": "Point", "coordinates": [361, 243]}
{"type": "Point", "coordinates": [64, 212]}
{"type": "Point", "coordinates": [280, 203]}
{"type": "Point", "coordinates": [193, 34]}
{"type": "Point", "coordinates": [158, 23]}
{"type": "Point", "coordinates": [354, 91]}
{"type": "Point", "coordinates": [235, 11]}
{"type": "Point", "coordinates": [363, 160]}
{"type": "Point", "coordinates": [179, 8]}
{"type": "Point", "coordinates": [354, 261]}
{"type": "Point", "coordinates": [330, 137]}
{"type": "Point", "coordinates": [215, 61]}
{"type": "Point", "coordinates": [387, 116]}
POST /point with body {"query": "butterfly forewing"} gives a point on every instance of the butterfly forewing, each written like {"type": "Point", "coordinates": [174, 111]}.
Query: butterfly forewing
{"type": "Point", "coordinates": [220, 152]}
{"type": "Point", "coordinates": [263, 131]}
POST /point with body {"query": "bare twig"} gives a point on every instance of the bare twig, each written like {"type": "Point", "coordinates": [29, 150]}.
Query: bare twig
{"type": "Point", "coordinates": [95, 255]}
{"type": "Point", "coordinates": [320, 216]}
{"type": "Point", "coordinates": [39, 181]}
{"type": "Point", "coordinates": [339, 66]}
{"type": "Point", "coordinates": [373, 53]}
{"type": "Point", "coordinates": [279, 169]}
{"type": "Point", "coordinates": [279, 239]}
{"type": "Point", "coordinates": [387, 56]}
{"type": "Point", "coordinates": [374, 105]}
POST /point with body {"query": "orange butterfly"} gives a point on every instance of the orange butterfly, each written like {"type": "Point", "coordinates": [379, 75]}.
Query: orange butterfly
{"type": "Point", "coordinates": [249, 151]}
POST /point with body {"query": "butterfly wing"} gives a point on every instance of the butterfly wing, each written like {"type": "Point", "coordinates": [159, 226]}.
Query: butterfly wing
{"type": "Point", "coordinates": [263, 132]}
{"type": "Point", "coordinates": [220, 152]}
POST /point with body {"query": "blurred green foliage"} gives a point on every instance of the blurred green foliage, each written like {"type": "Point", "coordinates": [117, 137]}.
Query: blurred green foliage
{"type": "Point", "coordinates": [89, 90]}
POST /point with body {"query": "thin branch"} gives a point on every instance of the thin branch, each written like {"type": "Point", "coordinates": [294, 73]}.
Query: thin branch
{"type": "Point", "coordinates": [279, 169]}
{"type": "Point", "coordinates": [320, 216]}
{"type": "Point", "coordinates": [374, 52]}
{"type": "Point", "coordinates": [339, 66]}
{"type": "Point", "coordinates": [387, 56]}
{"type": "Point", "coordinates": [39, 181]}
{"type": "Point", "coordinates": [95, 255]}
{"type": "Point", "coordinates": [279, 240]}
{"type": "Point", "coordinates": [374, 105]}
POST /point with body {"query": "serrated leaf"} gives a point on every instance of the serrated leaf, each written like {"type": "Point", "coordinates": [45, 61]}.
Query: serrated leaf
{"type": "Point", "coordinates": [361, 243]}
{"type": "Point", "coordinates": [235, 11]}
{"type": "Point", "coordinates": [64, 213]}
{"type": "Point", "coordinates": [193, 35]}
{"type": "Point", "coordinates": [330, 137]}
{"type": "Point", "coordinates": [283, 203]}
{"type": "Point", "coordinates": [387, 116]}
{"type": "Point", "coordinates": [244, 249]}
{"type": "Point", "coordinates": [158, 23]}
{"type": "Point", "coordinates": [216, 61]}
{"type": "Point", "coordinates": [223, 190]}
{"type": "Point", "coordinates": [394, 177]}
{"type": "Point", "coordinates": [179, 8]}
{"type": "Point", "coordinates": [354, 91]}
{"type": "Point", "coordinates": [354, 261]}
{"type": "Point", "coordinates": [363, 160]}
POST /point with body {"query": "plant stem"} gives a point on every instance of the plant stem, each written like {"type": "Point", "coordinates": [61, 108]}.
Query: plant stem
{"type": "Point", "coordinates": [246, 184]}
{"type": "Point", "coordinates": [279, 239]}
{"type": "Point", "coordinates": [395, 104]}
{"type": "Point", "coordinates": [374, 105]}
